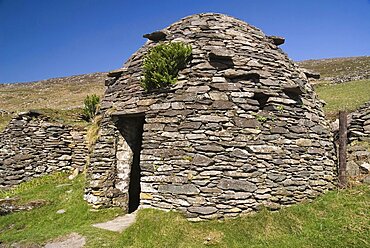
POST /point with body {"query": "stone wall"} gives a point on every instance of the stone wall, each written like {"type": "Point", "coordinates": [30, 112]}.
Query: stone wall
{"type": "Point", "coordinates": [359, 126]}
{"type": "Point", "coordinates": [358, 159]}
{"type": "Point", "coordinates": [32, 146]}
{"type": "Point", "coordinates": [241, 129]}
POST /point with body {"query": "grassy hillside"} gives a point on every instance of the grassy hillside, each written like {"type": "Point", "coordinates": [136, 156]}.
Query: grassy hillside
{"type": "Point", "coordinates": [340, 69]}
{"type": "Point", "coordinates": [346, 96]}
{"type": "Point", "coordinates": [61, 98]}
{"type": "Point", "coordinates": [55, 93]}
{"type": "Point", "coordinates": [336, 219]}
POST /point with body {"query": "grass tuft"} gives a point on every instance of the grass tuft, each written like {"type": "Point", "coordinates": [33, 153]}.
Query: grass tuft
{"type": "Point", "coordinates": [93, 132]}
{"type": "Point", "coordinates": [4, 121]}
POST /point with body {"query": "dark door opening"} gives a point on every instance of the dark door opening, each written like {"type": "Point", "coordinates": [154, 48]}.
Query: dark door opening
{"type": "Point", "coordinates": [131, 129]}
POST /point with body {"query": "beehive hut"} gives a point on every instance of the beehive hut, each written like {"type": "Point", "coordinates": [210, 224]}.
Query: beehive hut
{"type": "Point", "coordinates": [242, 128]}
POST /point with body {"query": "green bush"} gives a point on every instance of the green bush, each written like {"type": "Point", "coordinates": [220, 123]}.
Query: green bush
{"type": "Point", "coordinates": [91, 104]}
{"type": "Point", "coordinates": [162, 64]}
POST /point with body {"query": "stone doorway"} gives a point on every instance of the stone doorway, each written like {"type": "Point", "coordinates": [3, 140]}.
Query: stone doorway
{"type": "Point", "coordinates": [128, 159]}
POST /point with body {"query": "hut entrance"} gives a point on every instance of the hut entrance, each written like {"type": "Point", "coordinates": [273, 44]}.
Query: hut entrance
{"type": "Point", "coordinates": [128, 158]}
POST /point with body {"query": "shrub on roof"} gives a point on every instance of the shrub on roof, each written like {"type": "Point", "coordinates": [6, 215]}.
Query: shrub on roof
{"type": "Point", "coordinates": [162, 64]}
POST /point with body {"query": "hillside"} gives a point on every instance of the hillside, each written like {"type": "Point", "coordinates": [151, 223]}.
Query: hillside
{"type": "Point", "coordinates": [346, 96]}
{"type": "Point", "coordinates": [61, 98]}
{"type": "Point", "coordinates": [339, 70]}
{"type": "Point", "coordinates": [54, 93]}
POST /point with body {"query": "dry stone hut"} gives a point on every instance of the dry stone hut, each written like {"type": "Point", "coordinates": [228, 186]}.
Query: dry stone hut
{"type": "Point", "coordinates": [241, 129]}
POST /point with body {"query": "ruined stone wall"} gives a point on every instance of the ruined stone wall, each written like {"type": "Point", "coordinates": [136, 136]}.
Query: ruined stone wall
{"type": "Point", "coordinates": [358, 157]}
{"type": "Point", "coordinates": [241, 129]}
{"type": "Point", "coordinates": [359, 126]}
{"type": "Point", "coordinates": [32, 146]}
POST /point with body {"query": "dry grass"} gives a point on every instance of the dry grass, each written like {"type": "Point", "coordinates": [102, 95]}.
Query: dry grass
{"type": "Point", "coordinates": [57, 93]}
{"type": "Point", "coordinates": [93, 132]}
{"type": "Point", "coordinates": [60, 98]}
{"type": "Point", "coordinates": [4, 120]}
{"type": "Point", "coordinates": [339, 67]}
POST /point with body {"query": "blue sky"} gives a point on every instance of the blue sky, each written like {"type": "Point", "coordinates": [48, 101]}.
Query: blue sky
{"type": "Point", "coordinates": [40, 39]}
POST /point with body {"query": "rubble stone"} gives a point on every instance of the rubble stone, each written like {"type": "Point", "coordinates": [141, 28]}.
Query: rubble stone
{"type": "Point", "coordinates": [32, 145]}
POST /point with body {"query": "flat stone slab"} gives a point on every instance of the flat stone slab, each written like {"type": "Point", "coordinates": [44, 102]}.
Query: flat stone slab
{"type": "Point", "coordinates": [73, 240]}
{"type": "Point", "coordinates": [118, 224]}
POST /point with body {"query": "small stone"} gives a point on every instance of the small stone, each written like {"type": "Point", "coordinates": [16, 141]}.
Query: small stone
{"type": "Point", "coordinates": [160, 106]}
{"type": "Point", "coordinates": [223, 105]}
{"type": "Point", "coordinates": [242, 94]}
{"type": "Point", "coordinates": [146, 102]}
{"type": "Point", "coordinates": [218, 96]}
{"type": "Point", "coordinates": [247, 75]}
{"type": "Point", "coordinates": [265, 149]}
{"type": "Point", "coordinates": [294, 89]}
{"type": "Point", "coordinates": [310, 74]}
{"type": "Point", "coordinates": [74, 174]}
{"type": "Point", "coordinates": [249, 168]}
{"type": "Point", "coordinates": [239, 153]}
{"type": "Point", "coordinates": [202, 210]}
{"type": "Point", "coordinates": [234, 210]}
{"type": "Point", "coordinates": [246, 123]}
{"type": "Point", "coordinates": [210, 118]}
{"type": "Point", "coordinates": [220, 54]}
{"type": "Point", "coordinates": [278, 130]}
{"type": "Point", "coordinates": [196, 136]}
{"type": "Point", "coordinates": [352, 169]}
{"type": "Point", "coordinates": [272, 205]}
{"type": "Point", "coordinates": [303, 142]}
{"type": "Point", "coordinates": [201, 160]}
{"type": "Point", "coordinates": [366, 179]}
{"type": "Point", "coordinates": [277, 40]}
{"type": "Point", "coordinates": [238, 185]}
{"type": "Point", "coordinates": [186, 189]}
{"type": "Point", "coordinates": [61, 211]}
{"type": "Point", "coordinates": [177, 105]}
{"type": "Point", "coordinates": [226, 86]}
{"type": "Point", "coordinates": [198, 89]}
{"type": "Point", "coordinates": [146, 196]}
{"type": "Point", "coordinates": [365, 167]}
{"type": "Point", "coordinates": [254, 63]}
{"type": "Point", "coordinates": [173, 135]}
{"type": "Point", "coordinates": [218, 80]}
{"type": "Point", "coordinates": [210, 148]}
{"type": "Point", "coordinates": [156, 36]}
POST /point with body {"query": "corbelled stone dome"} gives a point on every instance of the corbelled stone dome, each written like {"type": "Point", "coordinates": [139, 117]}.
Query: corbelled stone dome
{"type": "Point", "coordinates": [242, 128]}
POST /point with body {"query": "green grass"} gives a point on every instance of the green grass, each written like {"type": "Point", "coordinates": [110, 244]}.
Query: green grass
{"type": "Point", "coordinates": [42, 224]}
{"type": "Point", "coordinates": [71, 117]}
{"type": "Point", "coordinates": [336, 219]}
{"type": "Point", "coordinates": [4, 121]}
{"type": "Point", "coordinates": [347, 96]}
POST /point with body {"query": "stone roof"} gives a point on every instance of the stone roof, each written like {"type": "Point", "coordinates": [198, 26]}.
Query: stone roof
{"type": "Point", "coordinates": [225, 49]}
